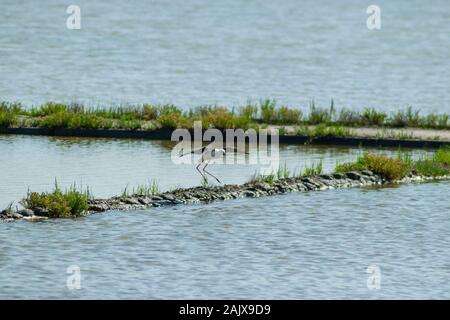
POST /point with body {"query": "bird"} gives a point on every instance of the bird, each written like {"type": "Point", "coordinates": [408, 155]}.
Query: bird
{"type": "Point", "coordinates": [207, 154]}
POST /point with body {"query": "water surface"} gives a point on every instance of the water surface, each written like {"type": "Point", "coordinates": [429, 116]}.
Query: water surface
{"type": "Point", "coordinates": [303, 245]}
{"type": "Point", "coordinates": [225, 52]}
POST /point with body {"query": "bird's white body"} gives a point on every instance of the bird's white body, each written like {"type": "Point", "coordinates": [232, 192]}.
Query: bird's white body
{"type": "Point", "coordinates": [208, 154]}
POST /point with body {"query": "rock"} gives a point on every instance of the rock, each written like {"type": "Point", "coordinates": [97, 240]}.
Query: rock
{"type": "Point", "coordinates": [145, 201]}
{"type": "Point", "coordinates": [99, 207]}
{"type": "Point", "coordinates": [131, 201]}
{"type": "Point", "coordinates": [168, 197]}
{"type": "Point", "coordinates": [338, 176]}
{"type": "Point", "coordinates": [367, 173]}
{"type": "Point", "coordinates": [26, 212]}
{"type": "Point", "coordinates": [42, 212]}
{"type": "Point", "coordinates": [353, 175]}
{"type": "Point", "coordinates": [35, 218]}
{"type": "Point", "coordinates": [249, 193]}
{"type": "Point", "coordinates": [15, 215]}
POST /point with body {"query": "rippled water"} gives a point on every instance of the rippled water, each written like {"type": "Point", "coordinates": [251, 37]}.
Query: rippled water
{"type": "Point", "coordinates": [200, 51]}
{"type": "Point", "coordinates": [304, 245]}
{"type": "Point", "coordinates": [108, 166]}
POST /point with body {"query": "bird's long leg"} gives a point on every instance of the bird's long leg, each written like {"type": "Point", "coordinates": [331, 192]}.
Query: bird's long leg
{"type": "Point", "coordinates": [207, 172]}
{"type": "Point", "coordinates": [197, 167]}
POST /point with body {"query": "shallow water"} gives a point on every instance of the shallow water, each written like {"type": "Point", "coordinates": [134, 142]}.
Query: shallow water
{"type": "Point", "coordinates": [204, 52]}
{"type": "Point", "coordinates": [304, 245]}
{"type": "Point", "coordinates": [109, 166]}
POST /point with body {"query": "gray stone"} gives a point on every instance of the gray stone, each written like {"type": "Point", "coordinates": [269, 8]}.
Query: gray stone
{"type": "Point", "coordinates": [26, 212]}
{"type": "Point", "coordinates": [353, 175]}
{"type": "Point", "coordinates": [42, 212]}
{"type": "Point", "coordinates": [15, 215]}
{"type": "Point", "coordinates": [338, 176]}
{"type": "Point", "coordinates": [367, 173]}
{"type": "Point", "coordinates": [35, 218]}
{"type": "Point", "coordinates": [99, 207]}
{"type": "Point", "coordinates": [131, 201]}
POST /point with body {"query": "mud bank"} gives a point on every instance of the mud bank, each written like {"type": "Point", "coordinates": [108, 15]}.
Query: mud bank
{"type": "Point", "coordinates": [226, 192]}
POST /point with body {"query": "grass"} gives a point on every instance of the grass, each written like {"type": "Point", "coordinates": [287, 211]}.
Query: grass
{"type": "Point", "coordinates": [397, 168]}
{"type": "Point", "coordinates": [59, 203]}
{"type": "Point", "coordinates": [312, 170]}
{"type": "Point", "coordinates": [267, 112]}
{"type": "Point", "coordinates": [150, 189]}
{"type": "Point", "coordinates": [323, 130]}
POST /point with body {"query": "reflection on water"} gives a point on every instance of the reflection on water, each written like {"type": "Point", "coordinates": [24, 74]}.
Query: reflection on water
{"type": "Point", "coordinates": [107, 166]}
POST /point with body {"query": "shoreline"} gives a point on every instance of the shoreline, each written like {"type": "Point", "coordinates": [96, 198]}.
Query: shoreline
{"type": "Point", "coordinates": [255, 189]}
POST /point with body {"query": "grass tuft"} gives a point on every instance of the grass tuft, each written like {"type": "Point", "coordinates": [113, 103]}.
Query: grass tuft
{"type": "Point", "coordinates": [60, 204]}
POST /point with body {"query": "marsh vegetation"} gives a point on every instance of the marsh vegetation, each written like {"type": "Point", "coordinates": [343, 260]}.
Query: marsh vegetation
{"type": "Point", "coordinates": [327, 121]}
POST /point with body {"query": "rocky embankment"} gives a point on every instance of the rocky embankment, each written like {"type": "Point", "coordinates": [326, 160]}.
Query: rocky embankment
{"type": "Point", "coordinates": [205, 195]}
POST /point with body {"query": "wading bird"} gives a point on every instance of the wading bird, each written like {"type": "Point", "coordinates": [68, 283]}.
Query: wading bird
{"type": "Point", "coordinates": [208, 154]}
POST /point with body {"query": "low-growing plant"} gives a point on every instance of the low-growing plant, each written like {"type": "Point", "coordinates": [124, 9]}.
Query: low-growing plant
{"type": "Point", "coordinates": [147, 189]}
{"type": "Point", "coordinates": [268, 110]}
{"type": "Point", "coordinates": [428, 167]}
{"type": "Point", "coordinates": [7, 119]}
{"type": "Point", "coordinates": [72, 202]}
{"type": "Point", "coordinates": [312, 170]}
{"type": "Point", "coordinates": [387, 167]}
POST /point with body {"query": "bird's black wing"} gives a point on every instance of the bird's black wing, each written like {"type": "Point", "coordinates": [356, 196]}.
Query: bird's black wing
{"type": "Point", "coordinates": [197, 151]}
{"type": "Point", "coordinates": [235, 150]}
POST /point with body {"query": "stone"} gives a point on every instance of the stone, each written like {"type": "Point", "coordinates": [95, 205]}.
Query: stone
{"type": "Point", "coordinates": [168, 197]}
{"type": "Point", "coordinates": [338, 176]}
{"type": "Point", "coordinates": [100, 207]}
{"type": "Point", "coordinates": [367, 173]}
{"type": "Point", "coordinates": [35, 218]}
{"type": "Point", "coordinates": [26, 212]}
{"type": "Point", "coordinates": [353, 175]}
{"type": "Point", "coordinates": [131, 201]}
{"type": "Point", "coordinates": [15, 215]}
{"type": "Point", "coordinates": [42, 212]}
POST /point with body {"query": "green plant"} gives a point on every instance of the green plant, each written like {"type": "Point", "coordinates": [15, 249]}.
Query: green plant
{"type": "Point", "coordinates": [442, 156]}
{"type": "Point", "coordinates": [268, 113]}
{"type": "Point", "coordinates": [147, 190]}
{"type": "Point", "coordinates": [314, 169]}
{"type": "Point", "coordinates": [7, 119]}
{"type": "Point", "coordinates": [389, 168]}
{"type": "Point", "coordinates": [60, 204]}
{"type": "Point", "coordinates": [205, 182]}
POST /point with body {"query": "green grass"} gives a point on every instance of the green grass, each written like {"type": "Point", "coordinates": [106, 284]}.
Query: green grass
{"type": "Point", "coordinates": [59, 203]}
{"type": "Point", "coordinates": [387, 167]}
{"type": "Point", "coordinates": [312, 170]}
{"type": "Point", "coordinates": [267, 112]}
{"type": "Point", "coordinates": [397, 168]}
{"type": "Point", "coordinates": [150, 189]}
{"type": "Point", "coordinates": [323, 130]}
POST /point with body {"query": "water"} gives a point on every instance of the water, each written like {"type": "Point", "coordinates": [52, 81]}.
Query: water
{"type": "Point", "coordinates": [108, 166]}
{"type": "Point", "coordinates": [304, 245]}
{"type": "Point", "coordinates": [225, 52]}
